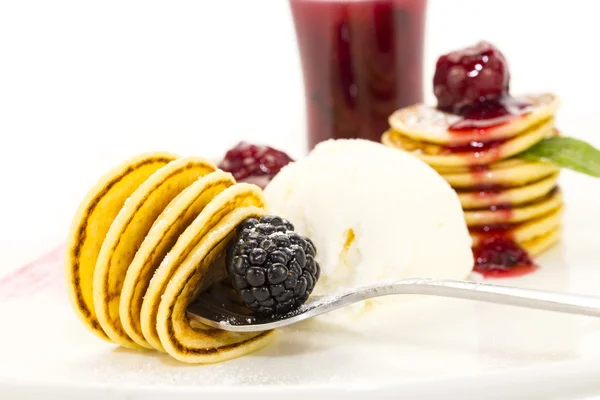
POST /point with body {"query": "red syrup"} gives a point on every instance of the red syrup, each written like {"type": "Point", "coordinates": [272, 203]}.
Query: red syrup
{"type": "Point", "coordinates": [501, 257]}
{"type": "Point", "coordinates": [497, 254]}
{"type": "Point", "coordinates": [361, 61]}
{"type": "Point", "coordinates": [474, 147]}
{"type": "Point", "coordinates": [488, 191]}
{"type": "Point", "coordinates": [504, 230]}
{"type": "Point", "coordinates": [501, 207]}
{"type": "Point", "coordinates": [486, 194]}
{"type": "Point", "coordinates": [479, 120]}
{"type": "Point", "coordinates": [503, 211]}
{"type": "Point", "coordinates": [480, 173]}
{"type": "Point", "coordinates": [473, 83]}
{"type": "Point", "coordinates": [482, 116]}
{"type": "Point", "coordinates": [484, 189]}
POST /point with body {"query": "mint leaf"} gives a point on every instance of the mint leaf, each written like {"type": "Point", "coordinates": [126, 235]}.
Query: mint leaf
{"type": "Point", "coordinates": [566, 152]}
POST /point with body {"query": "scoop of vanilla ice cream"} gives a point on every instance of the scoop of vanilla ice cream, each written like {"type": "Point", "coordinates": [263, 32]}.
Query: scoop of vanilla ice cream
{"type": "Point", "coordinates": [374, 214]}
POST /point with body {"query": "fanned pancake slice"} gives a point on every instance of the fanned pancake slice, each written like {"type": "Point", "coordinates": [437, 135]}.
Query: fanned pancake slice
{"type": "Point", "coordinates": [497, 215]}
{"type": "Point", "coordinates": [194, 343]}
{"type": "Point", "coordinates": [485, 152]}
{"type": "Point", "coordinates": [91, 224]}
{"type": "Point", "coordinates": [162, 236]}
{"type": "Point", "coordinates": [424, 123]}
{"type": "Point", "coordinates": [127, 233]}
{"type": "Point", "coordinates": [511, 172]}
{"type": "Point", "coordinates": [239, 195]}
{"type": "Point", "coordinates": [515, 195]}
{"type": "Point", "coordinates": [522, 232]}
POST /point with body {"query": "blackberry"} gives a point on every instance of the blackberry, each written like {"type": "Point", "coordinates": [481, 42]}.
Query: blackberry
{"type": "Point", "coordinates": [272, 268]}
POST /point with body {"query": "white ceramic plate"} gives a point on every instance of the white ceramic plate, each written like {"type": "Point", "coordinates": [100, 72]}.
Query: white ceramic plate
{"type": "Point", "coordinates": [424, 347]}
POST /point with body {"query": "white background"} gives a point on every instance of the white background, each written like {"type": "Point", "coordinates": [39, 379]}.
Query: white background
{"type": "Point", "coordinates": [86, 84]}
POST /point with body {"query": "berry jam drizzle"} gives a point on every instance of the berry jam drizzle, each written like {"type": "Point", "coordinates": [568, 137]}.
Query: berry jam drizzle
{"type": "Point", "coordinates": [480, 173]}
{"type": "Point", "coordinates": [496, 230]}
{"type": "Point", "coordinates": [474, 146]}
{"type": "Point", "coordinates": [497, 254]}
{"type": "Point", "coordinates": [480, 117]}
{"type": "Point", "coordinates": [485, 187]}
{"type": "Point", "coordinates": [483, 115]}
{"type": "Point", "coordinates": [490, 193]}
{"type": "Point", "coordinates": [501, 257]}
{"type": "Point", "coordinates": [473, 83]}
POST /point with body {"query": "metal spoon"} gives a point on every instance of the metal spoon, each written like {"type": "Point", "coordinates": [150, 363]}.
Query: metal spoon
{"type": "Point", "coordinates": [220, 311]}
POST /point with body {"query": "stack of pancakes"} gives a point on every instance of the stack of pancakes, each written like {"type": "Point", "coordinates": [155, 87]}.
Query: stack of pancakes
{"type": "Point", "coordinates": [501, 194]}
{"type": "Point", "coordinates": [146, 240]}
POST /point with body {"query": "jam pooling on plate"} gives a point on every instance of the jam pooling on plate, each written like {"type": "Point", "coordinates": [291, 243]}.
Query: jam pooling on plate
{"type": "Point", "coordinates": [499, 256]}
{"type": "Point", "coordinates": [361, 61]}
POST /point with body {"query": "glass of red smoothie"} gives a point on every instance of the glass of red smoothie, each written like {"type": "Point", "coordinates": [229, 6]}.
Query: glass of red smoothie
{"type": "Point", "coordinates": [361, 61]}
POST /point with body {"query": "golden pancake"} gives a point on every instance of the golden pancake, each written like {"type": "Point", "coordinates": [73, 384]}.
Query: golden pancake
{"type": "Point", "coordinates": [239, 195]}
{"type": "Point", "coordinates": [511, 172]}
{"type": "Point", "coordinates": [91, 224]}
{"type": "Point", "coordinates": [194, 343]}
{"type": "Point", "coordinates": [524, 231]}
{"type": "Point", "coordinates": [162, 236]}
{"type": "Point", "coordinates": [515, 215]}
{"type": "Point", "coordinates": [423, 123]}
{"type": "Point", "coordinates": [439, 156]}
{"type": "Point", "coordinates": [539, 244]}
{"type": "Point", "coordinates": [515, 195]}
{"type": "Point", "coordinates": [127, 232]}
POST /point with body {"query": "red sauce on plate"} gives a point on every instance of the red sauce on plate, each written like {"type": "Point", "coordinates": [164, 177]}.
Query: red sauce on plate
{"type": "Point", "coordinates": [499, 256]}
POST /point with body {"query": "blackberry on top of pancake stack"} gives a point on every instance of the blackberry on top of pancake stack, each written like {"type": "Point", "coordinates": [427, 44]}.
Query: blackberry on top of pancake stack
{"type": "Point", "coordinates": [495, 150]}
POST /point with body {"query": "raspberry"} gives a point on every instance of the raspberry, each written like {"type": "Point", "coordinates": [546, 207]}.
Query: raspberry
{"type": "Point", "coordinates": [470, 75]}
{"type": "Point", "coordinates": [272, 268]}
{"type": "Point", "coordinates": [254, 164]}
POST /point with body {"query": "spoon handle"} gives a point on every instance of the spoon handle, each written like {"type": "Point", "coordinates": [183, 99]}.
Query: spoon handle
{"type": "Point", "coordinates": [512, 296]}
{"type": "Point", "coordinates": [217, 314]}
